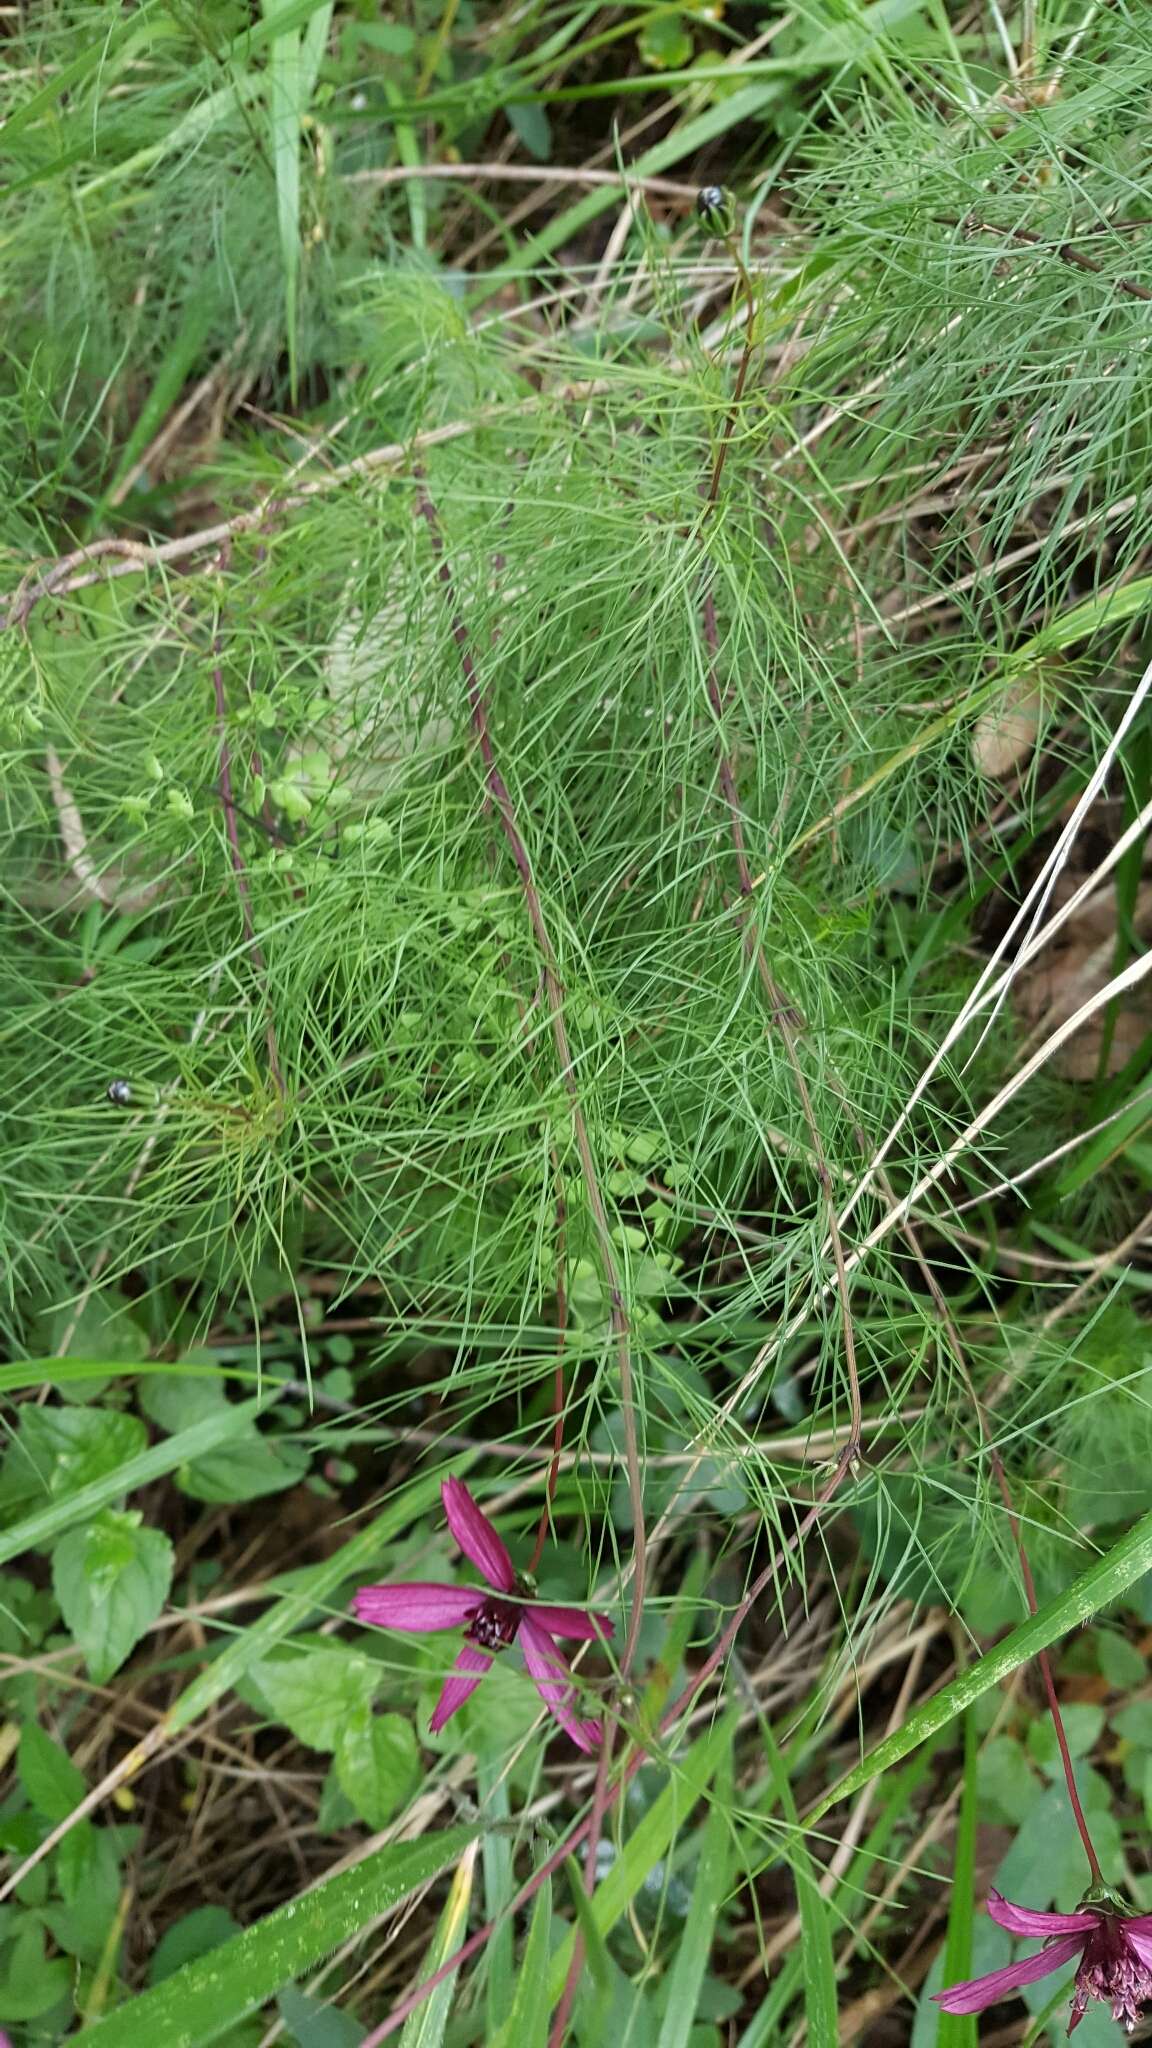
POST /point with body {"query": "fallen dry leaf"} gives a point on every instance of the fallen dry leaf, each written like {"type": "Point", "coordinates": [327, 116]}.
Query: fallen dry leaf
{"type": "Point", "coordinates": [1003, 738]}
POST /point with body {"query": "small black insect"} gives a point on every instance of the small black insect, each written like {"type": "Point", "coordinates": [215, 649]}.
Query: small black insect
{"type": "Point", "coordinates": [714, 206]}
{"type": "Point", "coordinates": [119, 1092]}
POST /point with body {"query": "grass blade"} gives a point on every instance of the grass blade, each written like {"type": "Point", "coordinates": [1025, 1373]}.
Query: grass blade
{"type": "Point", "coordinates": [958, 2030]}
{"type": "Point", "coordinates": [1102, 1583]}
{"type": "Point", "coordinates": [36, 1530]}
{"type": "Point", "coordinates": [820, 2003]}
{"type": "Point", "coordinates": [695, 1945]}
{"type": "Point", "coordinates": [425, 2027]}
{"type": "Point", "coordinates": [200, 2002]}
{"type": "Point", "coordinates": [650, 1841]}
{"type": "Point", "coordinates": [527, 2023]}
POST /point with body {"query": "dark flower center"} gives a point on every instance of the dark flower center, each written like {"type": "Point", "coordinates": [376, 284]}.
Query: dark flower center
{"type": "Point", "coordinates": [494, 1624]}
{"type": "Point", "coordinates": [1112, 1969]}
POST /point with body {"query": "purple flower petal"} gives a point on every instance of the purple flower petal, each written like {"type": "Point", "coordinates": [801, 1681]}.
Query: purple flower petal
{"type": "Point", "coordinates": [572, 1621]}
{"type": "Point", "coordinates": [416, 1605]}
{"type": "Point", "coordinates": [555, 1684]}
{"type": "Point", "coordinates": [456, 1690]}
{"type": "Point", "coordinates": [1138, 1935]}
{"type": "Point", "coordinates": [476, 1536]}
{"type": "Point", "coordinates": [981, 1991]}
{"type": "Point", "coordinates": [1024, 1920]}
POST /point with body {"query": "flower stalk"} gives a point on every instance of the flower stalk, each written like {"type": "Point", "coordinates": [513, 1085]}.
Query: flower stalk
{"type": "Point", "coordinates": [499, 796]}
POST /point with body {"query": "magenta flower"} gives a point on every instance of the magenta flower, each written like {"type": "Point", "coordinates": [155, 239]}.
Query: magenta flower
{"type": "Point", "coordinates": [1112, 1951]}
{"type": "Point", "coordinates": [489, 1623]}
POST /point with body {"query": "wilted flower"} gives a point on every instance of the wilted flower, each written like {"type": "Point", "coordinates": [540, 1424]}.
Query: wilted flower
{"type": "Point", "coordinates": [1112, 1951]}
{"type": "Point", "coordinates": [489, 1622]}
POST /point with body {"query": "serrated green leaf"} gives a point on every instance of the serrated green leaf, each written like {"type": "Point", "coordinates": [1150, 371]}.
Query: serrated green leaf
{"type": "Point", "coordinates": [111, 1579]}
{"type": "Point", "coordinates": [51, 1781]}
{"type": "Point", "coordinates": [315, 1691]}
{"type": "Point", "coordinates": [62, 1451]}
{"type": "Point", "coordinates": [377, 1763]}
{"type": "Point", "coordinates": [38, 1529]}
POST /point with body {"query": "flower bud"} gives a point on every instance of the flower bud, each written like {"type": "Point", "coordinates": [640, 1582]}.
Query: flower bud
{"type": "Point", "coordinates": [717, 209]}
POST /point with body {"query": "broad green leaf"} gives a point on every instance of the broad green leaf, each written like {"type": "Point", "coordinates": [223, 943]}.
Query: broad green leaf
{"type": "Point", "coordinates": [530, 122]}
{"type": "Point", "coordinates": [37, 1530]}
{"type": "Point", "coordinates": [377, 1763]}
{"type": "Point", "coordinates": [244, 1469]}
{"type": "Point", "coordinates": [1096, 1588]}
{"type": "Point", "coordinates": [111, 1579]}
{"type": "Point", "coordinates": [1083, 1725]}
{"type": "Point", "coordinates": [31, 1984]}
{"type": "Point", "coordinates": [312, 2023]}
{"type": "Point", "coordinates": [247, 1469]}
{"type": "Point", "coordinates": [51, 1781]}
{"type": "Point", "coordinates": [79, 1853]}
{"type": "Point", "coordinates": [59, 1451]}
{"type": "Point", "coordinates": [1046, 1863]}
{"type": "Point", "coordinates": [104, 1328]}
{"type": "Point", "coordinates": [425, 2027]}
{"type": "Point", "coordinates": [87, 1866]}
{"type": "Point", "coordinates": [196, 1935]}
{"type": "Point", "coordinates": [201, 2001]}
{"type": "Point", "coordinates": [315, 1691]}
{"type": "Point", "coordinates": [665, 43]}
{"type": "Point", "coordinates": [527, 2024]}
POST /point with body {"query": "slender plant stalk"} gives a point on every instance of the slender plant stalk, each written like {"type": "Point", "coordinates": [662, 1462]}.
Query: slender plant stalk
{"type": "Point", "coordinates": [500, 797]}
{"type": "Point", "coordinates": [552, 1479]}
{"type": "Point", "coordinates": [582, 1830]}
{"type": "Point", "coordinates": [1066, 251]}
{"type": "Point", "coordinates": [239, 866]}
{"type": "Point", "coordinates": [1001, 1477]}
{"type": "Point", "coordinates": [784, 1014]}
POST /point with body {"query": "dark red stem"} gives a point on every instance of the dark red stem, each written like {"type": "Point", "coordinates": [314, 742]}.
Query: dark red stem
{"type": "Point", "coordinates": [501, 798]}
{"type": "Point", "coordinates": [583, 1829]}
{"type": "Point", "coordinates": [1046, 1668]}
{"type": "Point", "coordinates": [558, 1376]}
